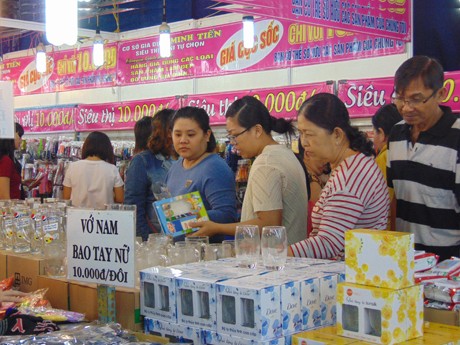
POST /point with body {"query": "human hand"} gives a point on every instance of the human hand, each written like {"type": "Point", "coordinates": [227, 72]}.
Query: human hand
{"type": "Point", "coordinates": [290, 252]}
{"type": "Point", "coordinates": [206, 228]}
{"type": "Point", "coordinates": [12, 296]}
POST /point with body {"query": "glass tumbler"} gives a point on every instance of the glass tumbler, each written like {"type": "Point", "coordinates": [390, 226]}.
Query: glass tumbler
{"type": "Point", "coordinates": [274, 247]}
{"type": "Point", "coordinates": [247, 245]}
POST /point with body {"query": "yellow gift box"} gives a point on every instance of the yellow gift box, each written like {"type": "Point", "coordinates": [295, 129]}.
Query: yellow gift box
{"type": "Point", "coordinates": [379, 315]}
{"type": "Point", "coordinates": [379, 258]}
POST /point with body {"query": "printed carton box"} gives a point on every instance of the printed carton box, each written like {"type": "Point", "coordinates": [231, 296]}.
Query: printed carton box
{"type": "Point", "coordinates": [249, 308]}
{"type": "Point", "coordinates": [176, 333]}
{"type": "Point", "coordinates": [393, 267]}
{"type": "Point", "coordinates": [213, 338]}
{"type": "Point", "coordinates": [196, 294]}
{"type": "Point", "coordinates": [379, 315]}
{"type": "Point", "coordinates": [25, 268]}
{"type": "Point", "coordinates": [158, 293]}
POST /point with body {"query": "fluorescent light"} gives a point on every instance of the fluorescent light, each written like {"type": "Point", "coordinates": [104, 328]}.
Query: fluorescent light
{"type": "Point", "coordinates": [98, 50]}
{"type": "Point", "coordinates": [165, 40]}
{"type": "Point", "coordinates": [40, 59]}
{"type": "Point", "coordinates": [248, 31]}
{"type": "Point", "coordinates": [61, 21]}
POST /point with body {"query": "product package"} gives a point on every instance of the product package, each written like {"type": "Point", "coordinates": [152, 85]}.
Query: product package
{"type": "Point", "coordinates": [177, 214]}
{"type": "Point", "coordinates": [379, 315]}
{"type": "Point", "coordinates": [392, 268]}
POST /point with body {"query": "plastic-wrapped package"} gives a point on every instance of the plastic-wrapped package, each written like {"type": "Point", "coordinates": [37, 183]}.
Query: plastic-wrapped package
{"type": "Point", "coordinates": [443, 290]}
{"type": "Point", "coordinates": [80, 334]}
{"type": "Point", "coordinates": [424, 261]}
{"type": "Point", "coordinates": [442, 305]}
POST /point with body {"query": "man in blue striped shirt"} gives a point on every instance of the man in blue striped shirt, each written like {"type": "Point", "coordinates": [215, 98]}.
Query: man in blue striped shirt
{"type": "Point", "coordinates": [424, 159]}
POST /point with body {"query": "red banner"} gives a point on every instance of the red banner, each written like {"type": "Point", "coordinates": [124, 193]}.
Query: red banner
{"type": "Point", "coordinates": [119, 116]}
{"type": "Point", "coordinates": [364, 96]}
{"type": "Point", "coordinates": [40, 120]}
{"type": "Point", "coordinates": [387, 18]}
{"type": "Point", "coordinates": [196, 53]}
{"type": "Point", "coordinates": [281, 101]}
{"type": "Point", "coordinates": [66, 70]}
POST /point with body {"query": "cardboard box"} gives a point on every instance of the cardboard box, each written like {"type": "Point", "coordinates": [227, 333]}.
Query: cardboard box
{"type": "Point", "coordinates": [392, 268]}
{"type": "Point", "coordinates": [213, 338]}
{"type": "Point", "coordinates": [83, 299]}
{"type": "Point", "coordinates": [58, 291]}
{"type": "Point", "coordinates": [3, 274]}
{"type": "Point", "coordinates": [447, 317]}
{"type": "Point", "coordinates": [25, 268]}
{"type": "Point", "coordinates": [128, 309]}
{"type": "Point", "coordinates": [379, 315]}
{"type": "Point", "coordinates": [158, 293]}
{"type": "Point", "coordinates": [249, 308]}
{"type": "Point", "coordinates": [176, 333]}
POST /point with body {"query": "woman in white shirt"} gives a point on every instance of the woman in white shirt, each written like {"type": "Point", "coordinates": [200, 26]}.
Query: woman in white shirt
{"type": "Point", "coordinates": [94, 181]}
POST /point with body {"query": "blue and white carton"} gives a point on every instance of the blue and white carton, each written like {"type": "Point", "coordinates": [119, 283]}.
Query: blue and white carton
{"type": "Point", "coordinates": [249, 308]}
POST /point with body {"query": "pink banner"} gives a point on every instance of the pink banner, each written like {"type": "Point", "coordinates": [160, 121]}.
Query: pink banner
{"type": "Point", "coordinates": [387, 18]}
{"type": "Point", "coordinates": [119, 116]}
{"type": "Point", "coordinates": [281, 102]}
{"type": "Point", "coordinates": [364, 96]}
{"type": "Point", "coordinates": [66, 70]}
{"type": "Point", "coordinates": [39, 120]}
{"type": "Point", "coordinates": [279, 44]}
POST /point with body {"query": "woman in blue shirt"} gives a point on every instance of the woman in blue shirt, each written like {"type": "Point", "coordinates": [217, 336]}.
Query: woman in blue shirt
{"type": "Point", "coordinates": [199, 168]}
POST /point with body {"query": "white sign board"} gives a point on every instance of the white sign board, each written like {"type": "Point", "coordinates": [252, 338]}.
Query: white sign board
{"type": "Point", "coordinates": [6, 110]}
{"type": "Point", "coordinates": [100, 246]}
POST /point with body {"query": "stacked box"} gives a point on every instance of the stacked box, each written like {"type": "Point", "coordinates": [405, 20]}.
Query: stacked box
{"type": "Point", "coordinates": [214, 338]}
{"type": "Point", "coordinates": [158, 293]}
{"type": "Point", "coordinates": [249, 308]}
{"type": "Point", "coordinates": [379, 258]}
{"type": "Point", "coordinates": [196, 294]}
{"type": "Point", "coordinates": [379, 301]}
{"type": "Point", "coordinates": [174, 332]}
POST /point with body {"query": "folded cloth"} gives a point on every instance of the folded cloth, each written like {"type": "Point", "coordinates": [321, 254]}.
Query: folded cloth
{"type": "Point", "coordinates": [16, 323]}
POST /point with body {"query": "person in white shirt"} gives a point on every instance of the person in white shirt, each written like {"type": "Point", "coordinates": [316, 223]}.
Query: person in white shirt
{"type": "Point", "coordinates": [94, 181]}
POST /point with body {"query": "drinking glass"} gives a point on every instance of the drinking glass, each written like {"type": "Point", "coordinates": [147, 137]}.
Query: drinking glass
{"type": "Point", "coordinates": [216, 251]}
{"type": "Point", "coordinates": [274, 247]}
{"type": "Point", "coordinates": [247, 245]}
{"type": "Point", "coordinates": [200, 242]}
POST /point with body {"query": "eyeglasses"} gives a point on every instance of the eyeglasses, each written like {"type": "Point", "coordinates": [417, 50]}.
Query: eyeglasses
{"type": "Point", "coordinates": [411, 102]}
{"type": "Point", "coordinates": [232, 138]}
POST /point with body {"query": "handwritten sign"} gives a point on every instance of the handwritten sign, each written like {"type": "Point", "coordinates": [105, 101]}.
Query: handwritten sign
{"type": "Point", "coordinates": [100, 246]}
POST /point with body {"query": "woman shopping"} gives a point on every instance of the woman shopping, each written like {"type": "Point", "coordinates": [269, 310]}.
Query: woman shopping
{"type": "Point", "coordinates": [355, 195]}
{"type": "Point", "coordinates": [276, 192]}
{"type": "Point", "coordinates": [199, 168]}
{"type": "Point", "coordinates": [94, 181]}
{"type": "Point", "coordinates": [153, 157]}
{"type": "Point", "coordinates": [10, 168]}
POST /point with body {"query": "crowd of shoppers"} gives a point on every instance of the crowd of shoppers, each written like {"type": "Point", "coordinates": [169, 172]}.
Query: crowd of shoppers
{"type": "Point", "coordinates": [417, 169]}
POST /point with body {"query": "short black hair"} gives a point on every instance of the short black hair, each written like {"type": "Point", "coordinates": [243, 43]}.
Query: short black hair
{"type": "Point", "coordinates": [98, 144]}
{"type": "Point", "coordinates": [386, 117]}
{"type": "Point", "coordinates": [420, 66]}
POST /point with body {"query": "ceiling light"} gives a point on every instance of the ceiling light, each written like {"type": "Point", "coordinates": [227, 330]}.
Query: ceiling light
{"type": "Point", "coordinates": [98, 49]}
{"type": "Point", "coordinates": [248, 31]}
{"type": "Point", "coordinates": [165, 36]}
{"type": "Point", "coordinates": [40, 58]}
{"type": "Point", "coordinates": [61, 21]}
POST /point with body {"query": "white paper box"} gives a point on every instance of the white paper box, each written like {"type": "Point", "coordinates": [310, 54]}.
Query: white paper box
{"type": "Point", "coordinates": [249, 308]}
{"type": "Point", "coordinates": [379, 258]}
{"type": "Point", "coordinates": [379, 315]}
{"type": "Point", "coordinates": [175, 332]}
